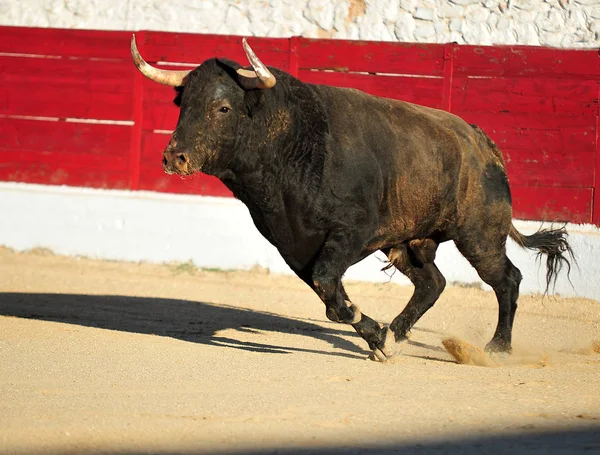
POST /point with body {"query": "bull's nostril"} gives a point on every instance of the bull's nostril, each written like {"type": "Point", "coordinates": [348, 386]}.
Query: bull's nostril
{"type": "Point", "coordinates": [182, 158]}
{"type": "Point", "coordinates": [164, 160]}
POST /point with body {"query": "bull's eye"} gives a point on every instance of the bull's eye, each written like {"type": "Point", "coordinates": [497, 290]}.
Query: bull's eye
{"type": "Point", "coordinates": [224, 109]}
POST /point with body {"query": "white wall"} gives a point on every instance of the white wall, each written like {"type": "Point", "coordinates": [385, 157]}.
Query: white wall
{"type": "Point", "coordinates": [564, 23]}
{"type": "Point", "coordinates": [218, 232]}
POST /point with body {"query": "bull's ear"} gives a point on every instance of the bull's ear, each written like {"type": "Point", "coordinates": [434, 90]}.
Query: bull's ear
{"type": "Point", "coordinates": [177, 99]}
{"type": "Point", "coordinates": [253, 102]}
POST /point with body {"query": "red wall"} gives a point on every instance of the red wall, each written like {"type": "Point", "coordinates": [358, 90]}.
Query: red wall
{"type": "Point", "coordinates": [75, 111]}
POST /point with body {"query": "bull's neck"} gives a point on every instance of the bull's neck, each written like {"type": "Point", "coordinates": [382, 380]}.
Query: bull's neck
{"type": "Point", "coordinates": [276, 168]}
{"type": "Point", "coordinates": [289, 159]}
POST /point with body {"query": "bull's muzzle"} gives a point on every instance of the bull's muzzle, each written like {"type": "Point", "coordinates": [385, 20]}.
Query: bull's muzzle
{"type": "Point", "coordinates": [176, 162]}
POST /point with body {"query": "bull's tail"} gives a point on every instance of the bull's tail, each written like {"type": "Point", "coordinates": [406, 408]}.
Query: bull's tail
{"type": "Point", "coordinates": [551, 242]}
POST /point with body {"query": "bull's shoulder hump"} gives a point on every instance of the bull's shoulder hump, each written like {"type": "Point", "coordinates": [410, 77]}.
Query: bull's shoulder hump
{"type": "Point", "coordinates": [338, 95]}
{"type": "Point", "coordinates": [352, 106]}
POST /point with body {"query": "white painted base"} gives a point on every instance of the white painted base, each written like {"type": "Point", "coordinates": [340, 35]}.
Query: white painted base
{"type": "Point", "coordinates": [219, 233]}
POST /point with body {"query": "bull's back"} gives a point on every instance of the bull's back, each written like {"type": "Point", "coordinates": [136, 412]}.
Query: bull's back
{"type": "Point", "coordinates": [432, 165]}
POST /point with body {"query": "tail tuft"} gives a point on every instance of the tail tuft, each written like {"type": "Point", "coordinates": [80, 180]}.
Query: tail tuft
{"type": "Point", "coordinates": [552, 243]}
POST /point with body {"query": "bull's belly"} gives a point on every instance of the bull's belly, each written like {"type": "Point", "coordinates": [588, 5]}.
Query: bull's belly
{"type": "Point", "coordinates": [400, 231]}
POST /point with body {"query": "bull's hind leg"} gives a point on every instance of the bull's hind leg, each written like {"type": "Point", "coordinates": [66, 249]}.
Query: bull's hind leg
{"type": "Point", "coordinates": [494, 267]}
{"type": "Point", "coordinates": [415, 260]}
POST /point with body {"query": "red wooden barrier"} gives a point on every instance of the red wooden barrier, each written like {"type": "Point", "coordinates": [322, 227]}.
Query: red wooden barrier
{"type": "Point", "coordinates": [74, 111]}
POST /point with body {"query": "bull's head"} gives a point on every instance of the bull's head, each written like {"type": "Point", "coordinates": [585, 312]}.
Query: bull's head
{"type": "Point", "coordinates": [212, 106]}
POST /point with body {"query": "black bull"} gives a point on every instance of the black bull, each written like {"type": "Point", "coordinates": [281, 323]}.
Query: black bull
{"type": "Point", "coordinates": [331, 175]}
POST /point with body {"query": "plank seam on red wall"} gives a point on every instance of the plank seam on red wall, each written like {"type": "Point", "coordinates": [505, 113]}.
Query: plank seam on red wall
{"type": "Point", "coordinates": [294, 42]}
{"type": "Point", "coordinates": [448, 76]}
{"type": "Point", "coordinates": [596, 196]}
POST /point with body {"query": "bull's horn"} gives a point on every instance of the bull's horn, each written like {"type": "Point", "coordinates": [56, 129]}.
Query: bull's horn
{"type": "Point", "coordinates": [166, 77]}
{"type": "Point", "coordinates": [265, 77]}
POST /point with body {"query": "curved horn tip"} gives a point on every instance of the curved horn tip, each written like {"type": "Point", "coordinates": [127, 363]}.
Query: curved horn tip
{"type": "Point", "coordinates": [166, 77]}
{"type": "Point", "coordinates": [135, 53]}
{"type": "Point", "coordinates": [245, 45]}
{"type": "Point", "coordinates": [266, 77]}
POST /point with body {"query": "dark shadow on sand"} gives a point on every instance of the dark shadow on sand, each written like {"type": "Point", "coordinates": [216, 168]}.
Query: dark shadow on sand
{"type": "Point", "coordinates": [197, 322]}
{"type": "Point", "coordinates": [580, 441]}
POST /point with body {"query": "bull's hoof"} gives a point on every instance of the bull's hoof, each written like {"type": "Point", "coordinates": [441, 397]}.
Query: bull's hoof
{"type": "Point", "coordinates": [498, 347]}
{"type": "Point", "coordinates": [387, 348]}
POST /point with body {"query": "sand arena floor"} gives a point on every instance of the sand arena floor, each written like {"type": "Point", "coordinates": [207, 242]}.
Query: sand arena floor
{"type": "Point", "coordinates": [108, 357]}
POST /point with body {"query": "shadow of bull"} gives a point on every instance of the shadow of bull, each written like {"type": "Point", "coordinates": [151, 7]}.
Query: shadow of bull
{"type": "Point", "coordinates": [197, 322]}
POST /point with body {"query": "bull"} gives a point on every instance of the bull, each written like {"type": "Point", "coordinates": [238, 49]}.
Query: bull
{"type": "Point", "coordinates": [331, 175]}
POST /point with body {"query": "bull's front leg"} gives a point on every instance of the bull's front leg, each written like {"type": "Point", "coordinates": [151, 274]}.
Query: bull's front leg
{"type": "Point", "coordinates": [337, 254]}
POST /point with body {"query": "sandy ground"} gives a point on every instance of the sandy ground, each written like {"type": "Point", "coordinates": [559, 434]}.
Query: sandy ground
{"type": "Point", "coordinates": [107, 357]}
